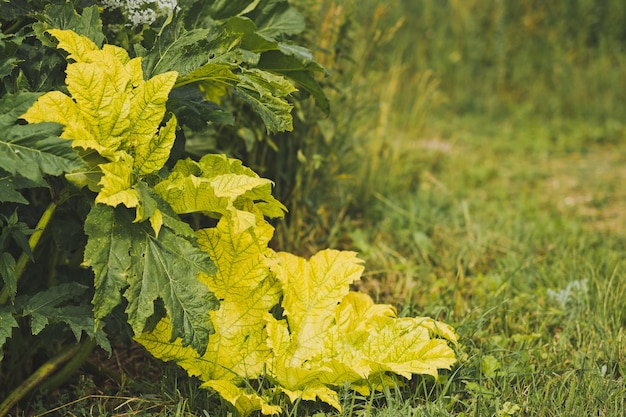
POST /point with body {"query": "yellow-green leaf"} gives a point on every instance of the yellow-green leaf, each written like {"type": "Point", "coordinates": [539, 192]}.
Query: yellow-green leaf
{"type": "Point", "coordinates": [151, 155]}
{"type": "Point", "coordinates": [117, 183]}
{"type": "Point", "coordinates": [312, 290]}
{"type": "Point", "coordinates": [77, 46]}
{"type": "Point", "coordinates": [233, 185]}
{"type": "Point", "coordinates": [245, 403]}
{"type": "Point", "coordinates": [405, 347]}
{"type": "Point", "coordinates": [219, 186]}
{"type": "Point", "coordinates": [59, 108]}
{"type": "Point", "coordinates": [119, 53]}
{"type": "Point", "coordinates": [314, 392]}
{"type": "Point", "coordinates": [148, 107]}
{"type": "Point", "coordinates": [102, 104]}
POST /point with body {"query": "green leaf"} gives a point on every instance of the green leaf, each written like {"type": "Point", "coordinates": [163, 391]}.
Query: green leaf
{"type": "Point", "coordinates": [7, 323]}
{"type": "Point", "coordinates": [18, 233]}
{"type": "Point", "coordinates": [264, 92]}
{"type": "Point", "coordinates": [108, 254]}
{"type": "Point", "coordinates": [11, 184]}
{"type": "Point", "coordinates": [213, 78]}
{"type": "Point", "coordinates": [277, 18]}
{"type": "Point", "coordinates": [7, 272]}
{"type": "Point", "coordinates": [222, 9]}
{"type": "Point", "coordinates": [126, 254]}
{"type": "Point", "coordinates": [175, 49]}
{"type": "Point", "coordinates": [64, 16]}
{"type": "Point", "coordinates": [32, 151]}
{"type": "Point", "coordinates": [298, 65]}
{"type": "Point", "coordinates": [57, 305]}
{"type": "Point", "coordinates": [43, 306]}
{"type": "Point", "coordinates": [247, 31]}
{"type": "Point", "coordinates": [9, 45]}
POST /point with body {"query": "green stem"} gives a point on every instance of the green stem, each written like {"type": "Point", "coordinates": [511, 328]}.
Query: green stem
{"type": "Point", "coordinates": [71, 366]}
{"type": "Point", "coordinates": [36, 378]}
{"type": "Point", "coordinates": [34, 241]}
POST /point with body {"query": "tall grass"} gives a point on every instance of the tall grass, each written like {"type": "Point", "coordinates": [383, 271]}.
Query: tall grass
{"type": "Point", "coordinates": [555, 59]}
{"type": "Point", "coordinates": [397, 68]}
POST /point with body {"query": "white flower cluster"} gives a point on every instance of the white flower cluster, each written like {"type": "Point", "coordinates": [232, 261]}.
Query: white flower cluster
{"type": "Point", "coordinates": [139, 12]}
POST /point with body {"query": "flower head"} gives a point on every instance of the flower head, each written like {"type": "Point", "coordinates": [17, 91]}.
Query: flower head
{"type": "Point", "coordinates": [141, 12]}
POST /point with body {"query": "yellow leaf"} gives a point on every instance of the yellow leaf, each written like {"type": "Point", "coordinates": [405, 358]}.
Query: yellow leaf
{"type": "Point", "coordinates": [245, 403]}
{"type": "Point", "coordinates": [240, 257]}
{"type": "Point", "coordinates": [357, 309]}
{"type": "Point", "coordinates": [156, 221]}
{"type": "Point", "coordinates": [59, 108]}
{"type": "Point", "coordinates": [147, 106]}
{"type": "Point", "coordinates": [76, 45]}
{"type": "Point", "coordinates": [135, 72]}
{"type": "Point", "coordinates": [404, 346]}
{"type": "Point", "coordinates": [247, 291]}
{"type": "Point", "coordinates": [117, 183]}
{"type": "Point", "coordinates": [233, 185]}
{"type": "Point", "coordinates": [151, 155]}
{"type": "Point", "coordinates": [158, 343]}
{"type": "Point", "coordinates": [312, 290]}
{"type": "Point", "coordinates": [119, 53]}
{"type": "Point", "coordinates": [278, 338]}
{"type": "Point", "coordinates": [438, 328]}
{"type": "Point", "coordinates": [103, 105]}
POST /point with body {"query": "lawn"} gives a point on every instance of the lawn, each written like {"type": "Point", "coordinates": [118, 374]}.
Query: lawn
{"type": "Point", "coordinates": [516, 237]}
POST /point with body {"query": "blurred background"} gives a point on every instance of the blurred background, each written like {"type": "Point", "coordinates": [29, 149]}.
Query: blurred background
{"type": "Point", "coordinates": [405, 75]}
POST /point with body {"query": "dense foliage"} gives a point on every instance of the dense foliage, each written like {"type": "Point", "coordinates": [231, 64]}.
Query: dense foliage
{"type": "Point", "coordinates": [110, 227]}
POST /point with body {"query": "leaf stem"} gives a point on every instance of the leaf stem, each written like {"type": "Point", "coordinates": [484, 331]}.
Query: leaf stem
{"type": "Point", "coordinates": [36, 378]}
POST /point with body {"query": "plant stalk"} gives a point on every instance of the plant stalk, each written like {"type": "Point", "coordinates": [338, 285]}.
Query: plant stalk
{"type": "Point", "coordinates": [36, 378]}
{"type": "Point", "coordinates": [71, 366]}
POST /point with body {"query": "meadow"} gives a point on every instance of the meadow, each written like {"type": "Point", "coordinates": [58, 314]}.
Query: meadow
{"type": "Point", "coordinates": [474, 157]}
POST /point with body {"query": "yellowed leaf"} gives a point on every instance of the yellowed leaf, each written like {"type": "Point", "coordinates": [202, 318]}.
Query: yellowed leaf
{"type": "Point", "coordinates": [75, 45]}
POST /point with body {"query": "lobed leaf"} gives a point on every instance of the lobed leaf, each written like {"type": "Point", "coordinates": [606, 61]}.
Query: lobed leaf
{"type": "Point", "coordinates": [264, 92]}
{"type": "Point", "coordinates": [328, 336]}
{"type": "Point", "coordinates": [56, 305]}
{"type": "Point", "coordinates": [311, 291]}
{"type": "Point", "coordinates": [127, 256]}
{"type": "Point", "coordinates": [113, 111]}
{"type": "Point", "coordinates": [33, 151]}
{"type": "Point", "coordinates": [7, 272]}
{"type": "Point", "coordinates": [218, 186]}
{"type": "Point", "coordinates": [245, 402]}
{"type": "Point", "coordinates": [276, 19]}
{"type": "Point", "coordinates": [175, 49]}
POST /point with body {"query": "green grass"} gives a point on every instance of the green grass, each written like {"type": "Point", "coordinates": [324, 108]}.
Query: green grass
{"type": "Point", "coordinates": [515, 237]}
